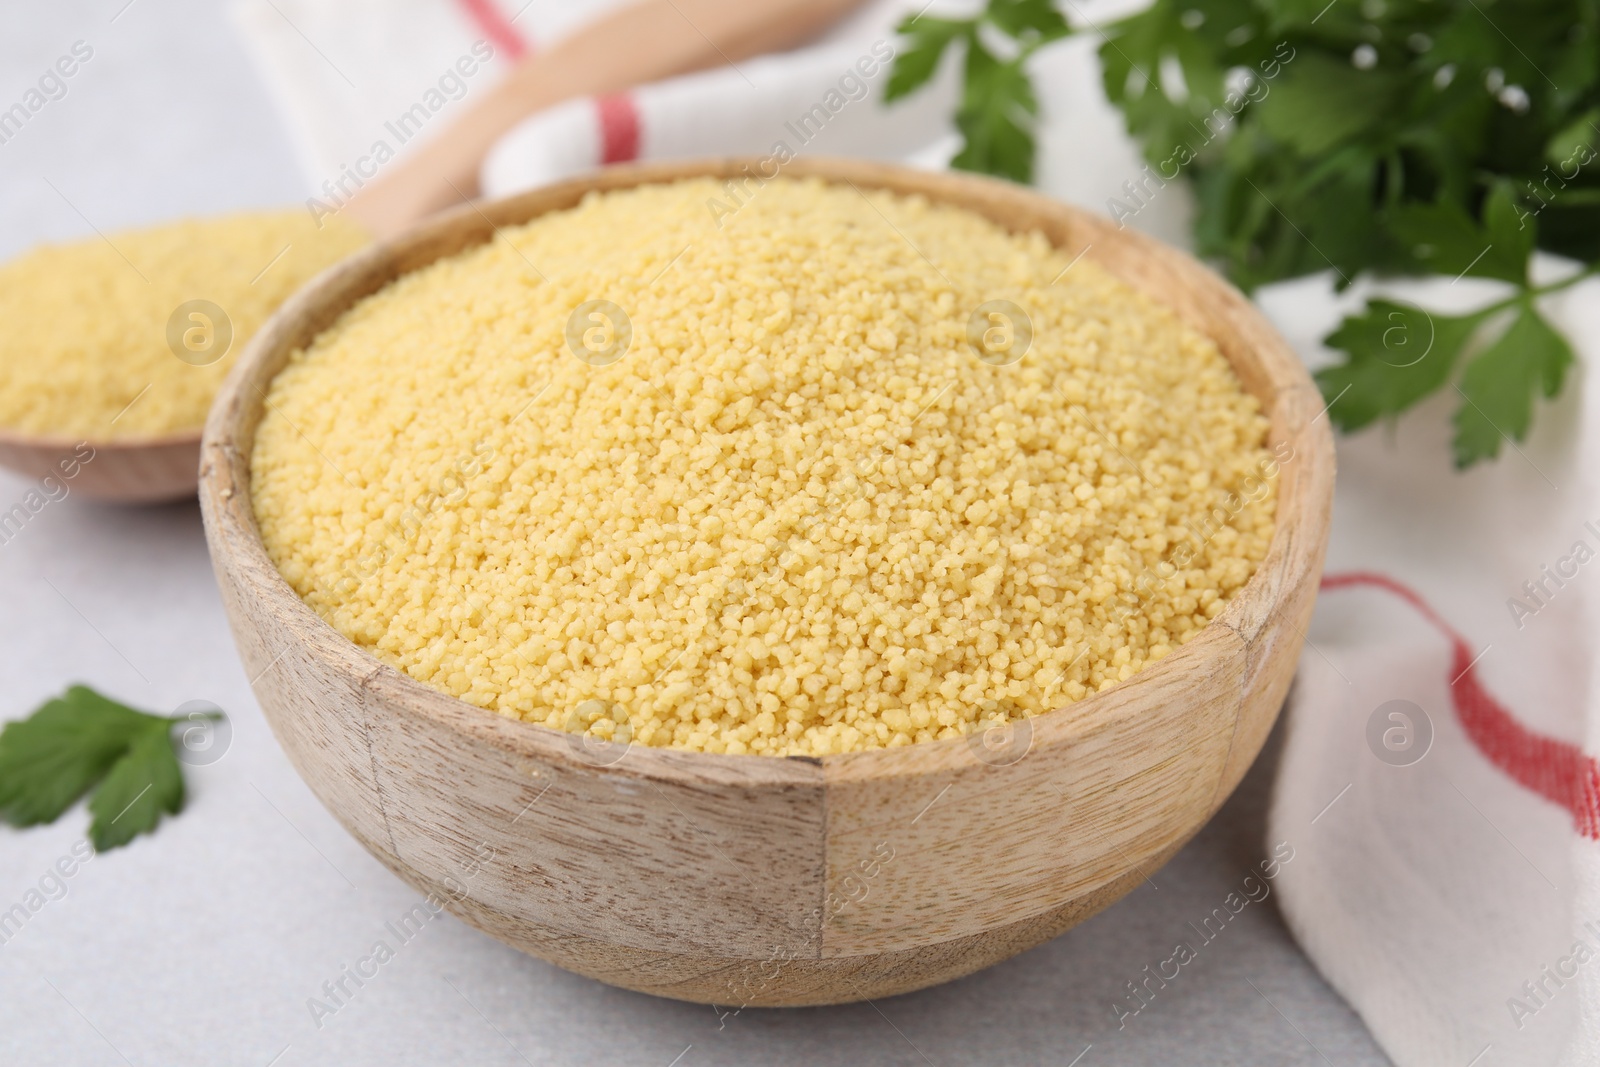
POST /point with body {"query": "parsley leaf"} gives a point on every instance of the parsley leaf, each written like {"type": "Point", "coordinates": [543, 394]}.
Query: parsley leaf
{"type": "Point", "coordinates": [1452, 137]}
{"type": "Point", "coordinates": [82, 741]}
{"type": "Point", "coordinates": [1499, 383]}
{"type": "Point", "coordinates": [1028, 20]}
{"type": "Point", "coordinates": [1575, 140]}
{"type": "Point", "coordinates": [916, 61]}
{"type": "Point", "coordinates": [1446, 240]}
{"type": "Point", "coordinates": [996, 118]}
{"type": "Point", "coordinates": [998, 107]}
{"type": "Point", "coordinates": [1320, 102]}
{"type": "Point", "coordinates": [142, 785]}
{"type": "Point", "coordinates": [50, 760]}
{"type": "Point", "coordinates": [1395, 356]}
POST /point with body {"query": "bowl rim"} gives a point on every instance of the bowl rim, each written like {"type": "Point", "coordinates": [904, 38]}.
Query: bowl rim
{"type": "Point", "coordinates": [1292, 558]}
{"type": "Point", "coordinates": [12, 437]}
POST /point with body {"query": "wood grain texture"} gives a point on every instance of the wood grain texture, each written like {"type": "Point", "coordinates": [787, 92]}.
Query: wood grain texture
{"type": "Point", "coordinates": [753, 880]}
{"type": "Point", "coordinates": [132, 471]}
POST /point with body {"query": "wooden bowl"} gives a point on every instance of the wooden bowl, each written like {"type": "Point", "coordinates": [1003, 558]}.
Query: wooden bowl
{"type": "Point", "coordinates": [138, 470]}
{"type": "Point", "coordinates": [756, 880]}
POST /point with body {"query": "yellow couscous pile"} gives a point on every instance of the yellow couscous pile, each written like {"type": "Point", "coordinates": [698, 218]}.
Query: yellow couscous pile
{"type": "Point", "coordinates": [85, 349]}
{"type": "Point", "coordinates": [781, 505]}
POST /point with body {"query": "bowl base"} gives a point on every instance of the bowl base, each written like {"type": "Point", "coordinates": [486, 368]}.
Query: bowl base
{"type": "Point", "coordinates": [737, 983]}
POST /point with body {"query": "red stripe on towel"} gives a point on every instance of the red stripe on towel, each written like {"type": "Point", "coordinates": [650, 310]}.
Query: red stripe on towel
{"type": "Point", "coordinates": [619, 128]}
{"type": "Point", "coordinates": [1557, 770]}
{"type": "Point", "coordinates": [496, 27]}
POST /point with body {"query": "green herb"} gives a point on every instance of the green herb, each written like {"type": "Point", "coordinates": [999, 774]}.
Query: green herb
{"type": "Point", "coordinates": [998, 109]}
{"type": "Point", "coordinates": [82, 741]}
{"type": "Point", "coordinates": [1383, 137]}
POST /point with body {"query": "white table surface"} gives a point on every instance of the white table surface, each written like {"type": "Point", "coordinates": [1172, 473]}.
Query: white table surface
{"type": "Point", "coordinates": [201, 944]}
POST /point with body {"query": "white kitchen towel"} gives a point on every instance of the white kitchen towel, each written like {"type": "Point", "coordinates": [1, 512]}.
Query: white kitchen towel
{"type": "Point", "coordinates": [347, 73]}
{"type": "Point", "coordinates": [1436, 783]}
{"type": "Point", "coordinates": [825, 100]}
{"type": "Point", "coordinates": [367, 80]}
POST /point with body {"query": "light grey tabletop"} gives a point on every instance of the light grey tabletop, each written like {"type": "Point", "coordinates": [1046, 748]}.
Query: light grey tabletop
{"type": "Point", "coordinates": [202, 944]}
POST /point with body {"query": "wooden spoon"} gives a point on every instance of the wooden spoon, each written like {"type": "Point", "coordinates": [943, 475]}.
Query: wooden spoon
{"type": "Point", "coordinates": [640, 43]}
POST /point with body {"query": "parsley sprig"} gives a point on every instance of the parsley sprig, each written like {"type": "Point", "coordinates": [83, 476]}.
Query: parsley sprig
{"type": "Point", "coordinates": [82, 741]}
{"type": "Point", "coordinates": [998, 108]}
{"type": "Point", "coordinates": [1369, 137]}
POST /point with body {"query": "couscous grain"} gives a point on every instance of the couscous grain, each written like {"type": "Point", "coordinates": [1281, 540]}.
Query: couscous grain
{"type": "Point", "coordinates": [85, 350]}
{"type": "Point", "coordinates": [780, 505]}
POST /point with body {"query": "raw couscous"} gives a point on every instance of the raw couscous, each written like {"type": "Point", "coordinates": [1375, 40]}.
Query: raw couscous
{"type": "Point", "coordinates": [754, 481]}
{"type": "Point", "coordinates": [85, 350]}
